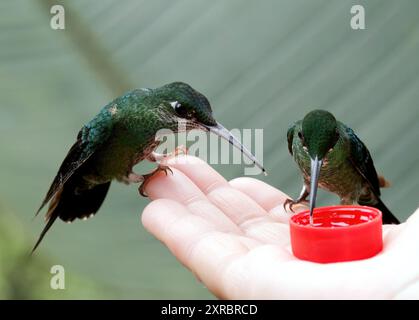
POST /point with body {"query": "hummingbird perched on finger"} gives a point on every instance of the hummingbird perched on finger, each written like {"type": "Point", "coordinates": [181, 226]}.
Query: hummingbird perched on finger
{"type": "Point", "coordinates": [121, 135]}
{"type": "Point", "coordinates": [331, 156]}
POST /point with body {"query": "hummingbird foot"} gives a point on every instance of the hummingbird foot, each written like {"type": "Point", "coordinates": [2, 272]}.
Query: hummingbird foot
{"type": "Point", "coordinates": [147, 177]}
{"type": "Point", "coordinates": [180, 150]}
{"type": "Point", "coordinates": [159, 157]}
{"type": "Point", "coordinates": [291, 203]}
{"type": "Point", "coordinates": [302, 198]}
{"type": "Point", "coordinates": [133, 178]}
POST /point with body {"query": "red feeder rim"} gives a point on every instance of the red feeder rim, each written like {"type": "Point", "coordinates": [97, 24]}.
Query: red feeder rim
{"type": "Point", "coordinates": [338, 233]}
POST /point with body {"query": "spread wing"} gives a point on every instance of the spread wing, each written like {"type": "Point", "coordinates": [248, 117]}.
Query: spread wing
{"type": "Point", "coordinates": [362, 160]}
{"type": "Point", "coordinates": [89, 139]}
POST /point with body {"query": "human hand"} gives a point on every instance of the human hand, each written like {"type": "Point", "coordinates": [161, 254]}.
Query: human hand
{"type": "Point", "coordinates": [234, 236]}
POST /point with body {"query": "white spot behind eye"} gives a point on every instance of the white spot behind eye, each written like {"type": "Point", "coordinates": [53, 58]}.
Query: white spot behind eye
{"type": "Point", "coordinates": [305, 148]}
{"type": "Point", "coordinates": [175, 104]}
{"type": "Point", "coordinates": [330, 150]}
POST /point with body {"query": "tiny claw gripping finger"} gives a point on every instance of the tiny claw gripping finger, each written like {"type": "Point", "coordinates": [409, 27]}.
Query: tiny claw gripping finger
{"type": "Point", "coordinates": [291, 203]}
{"type": "Point", "coordinates": [148, 176]}
{"type": "Point", "coordinates": [180, 150]}
{"type": "Point", "coordinates": [160, 157]}
{"type": "Point", "coordinates": [288, 202]}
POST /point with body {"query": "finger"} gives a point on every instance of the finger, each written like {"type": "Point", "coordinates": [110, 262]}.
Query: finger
{"type": "Point", "coordinates": [265, 195]}
{"type": "Point", "coordinates": [180, 188]}
{"type": "Point", "coordinates": [269, 232]}
{"type": "Point", "coordinates": [174, 185]}
{"type": "Point", "coordinates": [236, 205]}
{"type": "Point", "coordinates": [203, 175]}
{"type": "Point", "coordinates": [268, 197]}
{"type": "Point", "coordinates": [195, 241]}
{"type": "Point", "coordinates": [252, 219]}
{"type": "Point", "coordinates": [161, 222]}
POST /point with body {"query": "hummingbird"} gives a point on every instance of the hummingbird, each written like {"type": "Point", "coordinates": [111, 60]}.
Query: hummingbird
{"type": "Point", "coordinates": [330, 155]}
{"type": "Point", "coordinates": [121, 135]}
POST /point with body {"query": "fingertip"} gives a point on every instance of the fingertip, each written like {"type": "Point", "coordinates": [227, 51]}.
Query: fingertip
{"type": "Point", "coordinates": [155, 213]}
{"type": "Point", "coordinates": [198, 171]}
{"type": "Point", "coordinates": [154, 183]}
{"type": "Point", "coordinates": [176, 186]}
{"type": "Point", "coordinates": [148, 212]}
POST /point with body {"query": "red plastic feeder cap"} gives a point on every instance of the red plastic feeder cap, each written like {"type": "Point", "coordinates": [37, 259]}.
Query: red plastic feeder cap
{"type": "Point", "coordinates": [338, 233]}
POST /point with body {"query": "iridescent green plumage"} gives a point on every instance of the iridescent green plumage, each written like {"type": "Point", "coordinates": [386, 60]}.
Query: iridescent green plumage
{"type": "Point", "coordinates": [120, 136]}
{"type": "Point", "coordinates": [346, 166]}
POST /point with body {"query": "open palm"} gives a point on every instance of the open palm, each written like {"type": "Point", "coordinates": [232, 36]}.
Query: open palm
{"type": "Point", "coordinates": [234, 236]}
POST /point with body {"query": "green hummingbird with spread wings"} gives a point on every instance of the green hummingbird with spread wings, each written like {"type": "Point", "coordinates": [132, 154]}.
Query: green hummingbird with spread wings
{"type": "Point", "coordinates": [121, 135]}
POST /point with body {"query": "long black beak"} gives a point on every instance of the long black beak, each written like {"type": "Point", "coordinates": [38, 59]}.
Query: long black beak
{"type": "Point", "coordinates": [222, 132]}
{"type": "Point", "coordinates": [316, 164]}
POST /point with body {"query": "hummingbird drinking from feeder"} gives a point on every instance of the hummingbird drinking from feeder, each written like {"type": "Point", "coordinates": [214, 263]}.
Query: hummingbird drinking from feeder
{"type": "Point", "coordinates": [332, 157]}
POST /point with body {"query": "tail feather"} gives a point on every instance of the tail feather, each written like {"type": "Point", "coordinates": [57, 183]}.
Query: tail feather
{"type": "Point", "coordinates": [50, 222]}
{"type": "Point", "coordinates": [73, 160]}
{"type": "Point", "coordinates": [71, 202]}
{"type": "Point", "coordinates": [388, 217]}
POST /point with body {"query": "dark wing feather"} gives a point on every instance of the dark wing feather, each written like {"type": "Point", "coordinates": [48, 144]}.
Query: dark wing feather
{"type": "Point", "coordinates": [89, 139]}
{"type": "Point", "coordinates": [362, 160]}
{"type": "Point", "coordinates": [290, 136]}
{"type": "Point", "coordinates": [76, 156]}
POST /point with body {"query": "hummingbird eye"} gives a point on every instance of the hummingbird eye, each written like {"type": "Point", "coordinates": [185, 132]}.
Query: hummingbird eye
{"type": "Point", "coordinates": [181, 110]}
{"type": "Point", "coordinates": [300, 135]}
{"type": "Point", "coordinates": [175, 105]}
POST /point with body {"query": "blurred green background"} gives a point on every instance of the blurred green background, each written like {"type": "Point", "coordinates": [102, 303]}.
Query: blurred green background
{"type": "Point", "coordinates": [262, 64]}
